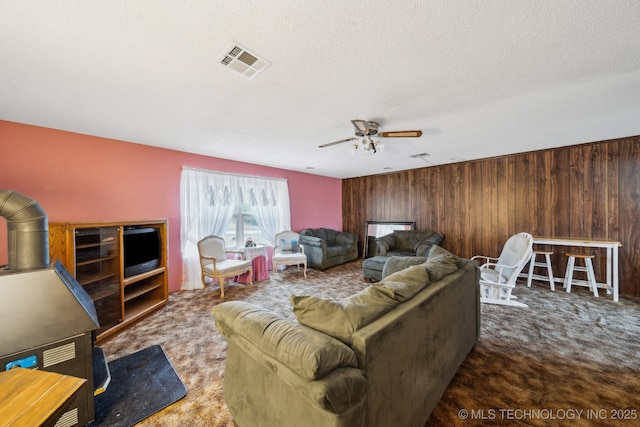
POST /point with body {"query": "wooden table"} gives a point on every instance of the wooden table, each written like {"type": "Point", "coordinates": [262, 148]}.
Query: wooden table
{"type": "Point", "coordinates": [30, 397]}
{"type": "Point", "coordinates": [611, 284]}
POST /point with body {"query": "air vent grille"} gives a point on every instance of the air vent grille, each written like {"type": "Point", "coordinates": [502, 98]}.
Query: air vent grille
{"type": "Point", "coordinates": [419, 156]}
{"type": "Point", "coordinates": [423, 157]}
{"type": "Point", "coordinates": [244, 62]}
{"type": "Point", "coordinates": [69, 419]}
{"type": "Point", "coordinates": [60, 354]}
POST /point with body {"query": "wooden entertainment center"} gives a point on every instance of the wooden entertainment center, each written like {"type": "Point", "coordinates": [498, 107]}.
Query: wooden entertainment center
{"type": "Point", "coordinates": [94, 253]}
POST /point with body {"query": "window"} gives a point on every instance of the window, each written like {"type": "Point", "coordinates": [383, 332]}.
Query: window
{"type": "Point", "coordinates": [243, 226]}
{"type": "Point", "coordinates": [234, 207]}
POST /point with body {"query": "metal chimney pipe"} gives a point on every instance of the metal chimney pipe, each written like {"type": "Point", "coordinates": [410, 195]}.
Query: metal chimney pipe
{"type": "Point", "coordinates": [27, 231]}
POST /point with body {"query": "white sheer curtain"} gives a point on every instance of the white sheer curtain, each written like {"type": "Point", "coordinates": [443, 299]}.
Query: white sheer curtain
{"type": "Point", "coordinates": [207, 203]}
{"type": "Point", "coordinates": [269, 201]}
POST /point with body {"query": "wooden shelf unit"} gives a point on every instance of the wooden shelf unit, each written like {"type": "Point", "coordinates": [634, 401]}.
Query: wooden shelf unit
{"type": "Point", "coordinates": [93, 252]}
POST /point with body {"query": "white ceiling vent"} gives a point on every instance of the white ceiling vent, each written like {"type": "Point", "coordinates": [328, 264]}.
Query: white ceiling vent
{"type": "Point", "coordinates": [244, 62]}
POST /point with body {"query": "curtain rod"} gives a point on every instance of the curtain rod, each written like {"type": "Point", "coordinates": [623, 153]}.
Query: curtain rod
{"type": "Point", "coordinates": [234, 174]}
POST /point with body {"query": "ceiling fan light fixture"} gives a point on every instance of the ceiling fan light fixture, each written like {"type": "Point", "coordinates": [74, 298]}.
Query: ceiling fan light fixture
{"type": "Point", "coordinates": [367, 146]}
{"type": "Point", "coordinates": [364, 131]}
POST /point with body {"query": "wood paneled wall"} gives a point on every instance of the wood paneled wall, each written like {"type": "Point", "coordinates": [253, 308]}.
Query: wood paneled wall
{"type": "Point", "coordinates": [589, 191]}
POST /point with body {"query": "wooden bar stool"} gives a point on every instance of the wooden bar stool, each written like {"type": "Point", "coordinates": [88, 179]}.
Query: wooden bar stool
{"type": "Point", "coordinates": [547, 264]}
{"type": "Point", "coordinates": [588, 268]}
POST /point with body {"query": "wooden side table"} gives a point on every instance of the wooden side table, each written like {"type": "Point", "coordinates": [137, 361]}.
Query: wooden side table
{"type": "Point", "coordinates": [30, 397]}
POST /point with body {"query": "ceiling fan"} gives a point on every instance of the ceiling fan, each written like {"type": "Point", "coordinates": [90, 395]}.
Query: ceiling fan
{"type": "Point", "coordinates": [365, 130]}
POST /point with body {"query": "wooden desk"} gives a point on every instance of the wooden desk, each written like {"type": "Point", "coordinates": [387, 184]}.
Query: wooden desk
{"type": "Point", "coordinates": [611, 246]}
{"type": "Point", "coordinates": [29, 397]}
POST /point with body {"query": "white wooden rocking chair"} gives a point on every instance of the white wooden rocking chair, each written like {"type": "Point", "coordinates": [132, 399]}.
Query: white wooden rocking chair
{"type": "Point", "coordinates": [498, 275]}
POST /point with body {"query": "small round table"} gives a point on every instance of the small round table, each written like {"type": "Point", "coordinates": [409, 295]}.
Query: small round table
{"type": "Point", "coordinates": [258, 256]}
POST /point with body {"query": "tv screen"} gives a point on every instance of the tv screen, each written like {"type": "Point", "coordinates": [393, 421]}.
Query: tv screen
{"type": "Point", "coordinates": [142, 249]}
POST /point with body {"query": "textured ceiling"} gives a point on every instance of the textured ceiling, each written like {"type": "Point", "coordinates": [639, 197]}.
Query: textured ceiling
{"type": "Point", "coordinates": [480, 79]}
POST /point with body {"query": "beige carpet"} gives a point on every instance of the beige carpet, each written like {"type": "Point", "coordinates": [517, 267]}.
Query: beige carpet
{"type": "Point", "coordinates": [569, 359]}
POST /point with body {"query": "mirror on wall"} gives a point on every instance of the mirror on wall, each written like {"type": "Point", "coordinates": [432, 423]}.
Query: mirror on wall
{"type": "Point", "coordinates": [374, 229]}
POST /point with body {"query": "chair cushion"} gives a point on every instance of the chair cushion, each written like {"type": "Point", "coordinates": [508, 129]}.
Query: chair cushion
{"type": "Point", "coordinates": [289, 257]}
{"type": "Point", "coordinates": [492, 275]}
{"type": "Point", "coordinates": [227, 266]}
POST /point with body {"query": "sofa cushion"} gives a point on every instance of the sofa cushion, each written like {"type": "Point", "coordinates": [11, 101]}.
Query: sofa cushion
{"type": "Point", "coordinates": [397, 263]}
{"type": "Point", "coordinates": [440, 266]}
{"type": "Point", "coordinates": [330, 235]}
{"type": "Point", "coordinates": [340, 319]}
{"type": "Point", "coordinates": [440, 253]}
{"type": "Point", "coordinates": [338, 251]}
{"type": "Point", "coordinates": [423, 247]}
{"type": "Point", "coordinates": [406, 239]}
{"type": "Point", "coordinates": [407, 282]}
{"type": "Point", "coordinates": [319, 233]}
{"type": "Point", "coordinates": [307, 352]}
{"type": "Point", "coordinates": [399, 253]}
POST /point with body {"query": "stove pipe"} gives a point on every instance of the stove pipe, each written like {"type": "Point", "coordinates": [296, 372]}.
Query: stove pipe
{"type": "Point", "coordinates": [27, 231]}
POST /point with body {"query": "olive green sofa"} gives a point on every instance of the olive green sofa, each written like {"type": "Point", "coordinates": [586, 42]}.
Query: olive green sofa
{"type": "Point", "coordinates": [382, 357]}
{"type": "Point", "coordinates": [326, 248]}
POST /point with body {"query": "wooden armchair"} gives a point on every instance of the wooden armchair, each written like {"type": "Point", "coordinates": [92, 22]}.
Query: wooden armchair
{"type": "Point", "coordinates": [288, 251]}
{"type": "Point", "coordinates": [215, 264]}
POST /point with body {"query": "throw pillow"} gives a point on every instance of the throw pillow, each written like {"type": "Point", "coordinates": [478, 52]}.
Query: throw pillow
{"type": "Point", "coordinates": [340, 319]}
{"type": "Point", "coordinates": [289, 245]}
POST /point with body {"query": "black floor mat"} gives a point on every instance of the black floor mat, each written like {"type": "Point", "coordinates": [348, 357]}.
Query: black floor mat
{"type": "Point", "coordinates": [142, 384]}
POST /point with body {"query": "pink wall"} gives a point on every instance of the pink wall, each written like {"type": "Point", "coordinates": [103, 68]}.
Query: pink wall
{"type": "Point", "coordinates": [78, 177]}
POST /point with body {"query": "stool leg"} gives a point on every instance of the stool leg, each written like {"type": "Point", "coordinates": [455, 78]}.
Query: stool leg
{"type": "Point", "coordinates": [569, 274]}
{"type": "Point", "coordinates": [550, 271]}
{"type": "Point", "coordinates": [591, 276]}
{"type": "Point", "coordinates": [531, 265]}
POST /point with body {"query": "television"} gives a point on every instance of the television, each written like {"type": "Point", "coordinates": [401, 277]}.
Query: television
{"type": "Point", "coordinates": [142, 249]}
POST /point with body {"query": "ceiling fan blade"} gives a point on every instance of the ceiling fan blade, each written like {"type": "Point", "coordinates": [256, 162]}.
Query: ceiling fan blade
{"type": "Point", "coordinates": [401, 134]}
{"type": "Point", "coordinates": [337, 142]}
{"type": "Point", "coordinates": [360, 125]}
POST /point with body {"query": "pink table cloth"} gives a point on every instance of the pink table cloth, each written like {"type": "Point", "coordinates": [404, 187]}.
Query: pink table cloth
{"type": "Point", "coordinates": [258, 257]}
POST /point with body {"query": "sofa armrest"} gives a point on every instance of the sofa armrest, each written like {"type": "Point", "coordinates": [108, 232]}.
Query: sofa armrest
{"type": "Point", "coordinates": [307, 352]}
{"type": "Point", "coordinates": [312, 241]}
{"type": "Point", "coordinates": [385, 243]}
